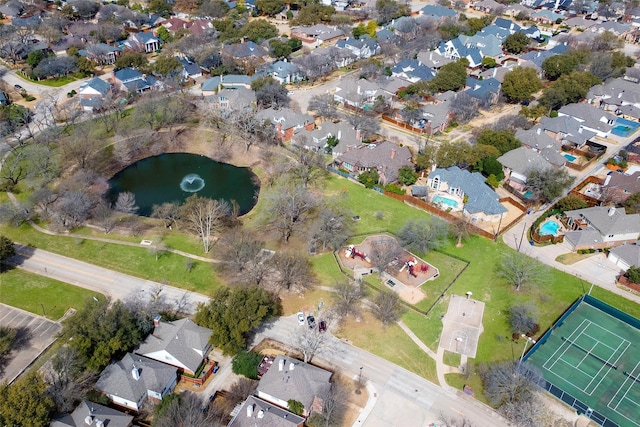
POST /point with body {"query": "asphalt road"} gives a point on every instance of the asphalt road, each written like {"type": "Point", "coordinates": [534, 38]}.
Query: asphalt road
{"type": "Point", "coordinates": [89, 276]}
{"type": "Point", "coordinates": [402, 398]}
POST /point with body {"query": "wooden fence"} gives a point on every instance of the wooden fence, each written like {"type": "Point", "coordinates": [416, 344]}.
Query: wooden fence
{"type": "Point", "coordinates": [405, 126]}
{"type": "Point", "coordinates": [421, 204]}
{"type": "Point", "coordinates": [628, 284]}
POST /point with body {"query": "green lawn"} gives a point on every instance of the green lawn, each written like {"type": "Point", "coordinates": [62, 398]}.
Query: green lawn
{"type": "Point", "coordinates": [57, 82]}
{"type": "Point", "coordinates": [140, 262]}
{"type": "Point", "coordinates": [40, 295]}
{"type": "Point", "coordinates": [452, 359]}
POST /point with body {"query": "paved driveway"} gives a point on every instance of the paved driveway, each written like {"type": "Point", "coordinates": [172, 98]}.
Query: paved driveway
{"type": "Point", "coordinates": [35, 334]}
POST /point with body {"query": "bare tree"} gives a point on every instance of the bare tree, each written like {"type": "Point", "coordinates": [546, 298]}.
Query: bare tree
{"type": "Point", "coordinates": [157, 248]}
{"type": "Point", "coordinates": [509, 382]}
{"type": "Point", "coordinates": [104, 216]}
{"type": "Point", "coordinates": [347, 297]}
{"type": "Point", "coordinates": [72, 208]}
{"type": "Point", "coordinates": [522, 318]}
{"type": "Point", "coordinates": [383, 251]}
{"type": "Point", "coordinates": [460, 230]}
{"type": "Point", "coordinates": [43, 199]}
{"type": "Point", "coordinates": [309, 341]}
{"type": "Point", "coordinates": [241, 389]}
{"type": "Point", "coordinates": [332, 227]}
{"type": "Point", "coordinates": [287, 206]}
{"type": "Point", "coordinates": [519, 270]}
{"type": "Point", "coordinates": [204, 217]}
{"type": "Point", "coordinates": [324, 106]}
{"type": "Point", "coordinates": [454, 421]}
{"type": "Point", "coordinates": [185, 410]}
{"type": "Point", "coordinates": [464, 107]}
{"type": "Point", "coordinates": [13, 169]}
{"type": "Point", "coordinates": [293, 271]}
{"type": "Point", "coordinates": [530, 412]}
{"type": "Point", "coordinates": [333, 406]}
{"type": "Point", "coordinates": [126, 203]}
{"type": "Point", "coordinates": [168, 212]}
{"type": "Point", "coordinates": [423, 235]}
{"type": "Point", "coordinates": [241, 248]}
{"type": "Point", "coordinates": [67, 380]}
{"type": "Point", "coordinates": [387, 307]}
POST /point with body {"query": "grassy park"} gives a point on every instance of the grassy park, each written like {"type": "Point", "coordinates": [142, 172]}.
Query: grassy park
{"type": "Point", "coordinates": [41, 295]}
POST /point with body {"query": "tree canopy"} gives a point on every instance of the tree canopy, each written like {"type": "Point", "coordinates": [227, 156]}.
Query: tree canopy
{"type": "Point", "coordinates": [503, 140]}
{"type": "Point", "coordinates": [516, 43]}
{"type": "Point", "coordinates": [549, 183]}
{"type": "Point", "coordinates": [25, 403]}
{"type": "Point", "coordinates": [234, 312]}
{"type": "Point", "coordinates": [7, 248]}
{"type": "Point", "coordinates": [568, 88]}
{"type": "Point", "coordinates": [520, 83]}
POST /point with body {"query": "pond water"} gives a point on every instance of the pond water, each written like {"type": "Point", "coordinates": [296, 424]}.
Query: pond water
{"type": "Point", "coordinates": [174, 177]}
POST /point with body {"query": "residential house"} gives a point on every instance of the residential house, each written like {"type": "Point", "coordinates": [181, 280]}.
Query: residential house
{"type": "Point", "coordinates": [92, 93]}
{"type": "Point", "coordinates": [579, 23]}
{"type": "Point", "coordinates": [385, 157]}
{"type": "Point", "coordinates": [201, 26]}
{"type": "Point", "coordinates": [134, 379]}
{"type": "Point", "coordinates": [516, 165]}
{"type": "Point", "coordinates": [566, 130]}
{"type": "Point", "coordinates": [438, 113]}
{"type": "Point", "coordinates": [181, 343]}
{"type": "Point", "coordinates": [537, 57]}
{"type": "Point", "coordinates": [361, 48]}
{"type": "Point", "coordinates": [132, 81]}
{"type": "Point", "coordinates": [88, 414]}
{"type": "Point", "coordinates": [470, 192]}
{"type": "Point", "coordinates": [256, 412]}
{"type": "Point", "coordinates": [437, 12]}
{"type": "Point", "coordinates": [143, 42]}
{"type": "Point", "coordinates": [591, 118]}
{"type": "Point", "coordinates": [174, 24]}
{"type": "Point", "coordinates": [101, 53]}
{"type": "Point", "coordinates": [317, 34]}
{"type": "Point", "coordinates": [488, 6]}
{"type": "Point", "coordinates": [601, 227]}
{"type": "Point", "coordinates": [190, 69]}
{"type": "Point", "coordinates": [546, 17]}
{"type": "Point", "coordinates": [286, 121]}
{"type": "Point", "coordinates": [625, 256]}
{"type": "Point", "coordinates": [233, 99]}
{"type": "Point", "coordinates": [507, 24]}
{"type": "Point", "coordinates": [356, 92]}
{"type": "Point", "coordinates": [454, 49]}
{"type": "Point", "coordinates": [232, 81]}
{"type": "Point", "coordinates": [633, 36]}
{"type": "Point", "coordinates": [412, 70]}
{"type": "Point", "coordinates": [619, 186]}
{"type": "Point", "coordinates": [316, 139]}
{"type": "Point", "coordinates": [289, 378]}
{"type": "Point", "coordinates": [433, 59]}
{"type": "Point", "coordinates": [282, 71]}
{"type": "Point", "coordinates": [384, 34]}
{"type": "Point", "coordinates": [487, 91]}
{"type": "Point", "coordinates": [246, 53]}
{"type": "Point", "coordinates": [538, 140]}
{"type": "Point", "coordinates": [488, 44]}
{"type": "Point", "coordinates": [614, 94]}
{"type": "Point", "coordinates": [618, 29]}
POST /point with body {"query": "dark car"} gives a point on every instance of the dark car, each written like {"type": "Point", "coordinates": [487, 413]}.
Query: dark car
{"type": "Point", "coordinates": [18, 87]}
{"type": "Point", "coordinates": [215, 369]}
{"type": "Point", "coordinates": [322, 326]}
{"type": "Point", "coordinates": [311, 321]}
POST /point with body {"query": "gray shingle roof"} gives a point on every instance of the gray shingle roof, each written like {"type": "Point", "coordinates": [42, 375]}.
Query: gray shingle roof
{"type": "Point", "coordinates": [386, 157]}
{"type": "Point", "coordinates": [592, 116]}
{"type": "Point", "coordinates": [608, 220]}
{"type": "Point", "coordinates": [303, 383]}
{"type": "Point", "coordinates": [630, 254]}
{"type": "Point", "coordinates": [249, 415]}
{"type": "Point", "coordinates": [522, 160]}
{"type": "Point", "coordinates": [117, 378]}
{"type": "Point", "coordinates": [481, 198]}
{"type": "Point", "coordinates": [110, 417]}
{"type": "Point", "coordinates": [180, 339]}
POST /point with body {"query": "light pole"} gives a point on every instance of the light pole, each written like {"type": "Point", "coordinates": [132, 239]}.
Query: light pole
{"type": "Point", "coordinates": [359, 381]}
{"type": "Point", "coordinates": [529, 340]}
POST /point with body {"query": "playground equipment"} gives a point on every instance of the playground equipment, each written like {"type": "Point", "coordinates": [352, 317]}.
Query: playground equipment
{"type": "Point", "coordinates": [352, 252]}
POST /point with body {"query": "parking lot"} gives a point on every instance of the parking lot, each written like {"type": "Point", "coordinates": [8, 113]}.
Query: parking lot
{"type": "Point", "coordinates": [35, 334]}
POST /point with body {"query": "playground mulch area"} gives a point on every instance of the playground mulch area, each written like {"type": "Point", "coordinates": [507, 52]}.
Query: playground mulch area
{"type": "Point", "coordinates": [462, 326]}
{"type": "Point", "coordinates": [590, 360]}
{"type": "Point", "coordinates": [397, 269]}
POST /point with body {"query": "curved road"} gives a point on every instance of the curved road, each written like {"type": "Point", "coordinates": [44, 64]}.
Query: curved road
{"type": "Point", "coordinates": [400, 397]}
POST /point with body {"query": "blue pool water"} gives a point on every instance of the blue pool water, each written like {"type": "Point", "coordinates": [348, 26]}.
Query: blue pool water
{"type": "Point", "coordinates": [549, 228]}
{"type": "Point", "coordinates": [445, 201]}
{"type": "Point", "coordinates": [624, 127]}
{"type": "Point", "coordinates": [569, 157]}
{"type": "Point", "coordinates": [528, 194]}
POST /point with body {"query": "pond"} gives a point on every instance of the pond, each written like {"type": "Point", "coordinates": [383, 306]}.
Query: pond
{"type": "Point", "coordinates": [176, 176]}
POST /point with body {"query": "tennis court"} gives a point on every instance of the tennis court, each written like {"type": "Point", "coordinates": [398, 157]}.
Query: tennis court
{"type": "Point", "coordinates": [591, 361]}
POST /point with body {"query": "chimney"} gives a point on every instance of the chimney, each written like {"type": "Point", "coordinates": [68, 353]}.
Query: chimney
{"type": "Point", "coordinates": [281, 365]}
{"type": "Point", "coordinates": [249, 410]}
{"type": "Point", "coordinates": [88, 420]}
{"type": "Point", "coordinates": [156, 320]}
{"type": "Point", "coordinates": [538, 131]}
{"type": "Point", "coordinates": [393, 154]}
{"type": "Point", "coordinates": [261, 414]}
{"type": "Point", "coordinates": [339, 134]}
{"type": "Point", "coordinates": [359, 90]}
{"type": "Point", "coordinates": [358, 135]}
{"type": "Point", "coordinates": [612, 211]}
{"type": "Point", "coordinates": [135, 373]}
{"type": "Point", "coordinates": [291, 366]}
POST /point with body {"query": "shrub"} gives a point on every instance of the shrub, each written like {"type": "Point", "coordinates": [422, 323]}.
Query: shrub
{"type": "Point", "coordinates": [395, 189]}
{"type": "Point", "coordinates": [369, 178]}
{"type": "Point", "coordinates": [246, 363]}
{"type": "Point", "coordinates": [633, 274]}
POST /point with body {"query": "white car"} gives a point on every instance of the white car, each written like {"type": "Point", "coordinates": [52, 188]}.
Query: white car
{"type": "Point", "coordinates": [300, 316]}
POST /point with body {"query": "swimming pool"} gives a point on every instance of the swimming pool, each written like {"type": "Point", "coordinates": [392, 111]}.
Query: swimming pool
{"type": "Point", "coordinates": [549, 228]}
{"type": "Point", "coordinates": [569, 157]}
{"type": "Point", "coordinates": [445, 201]}
{"type": "Point", "coordinates": [624, 127]}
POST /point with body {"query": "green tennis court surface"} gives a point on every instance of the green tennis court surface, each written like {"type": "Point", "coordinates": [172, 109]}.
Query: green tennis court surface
{"type": "Point", "coordinates": [591, 361]}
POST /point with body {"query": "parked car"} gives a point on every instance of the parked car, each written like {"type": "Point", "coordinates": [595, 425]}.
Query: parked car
{"type": "Point", "coordinates": [215, 369]}
{"type": "Point", "coordinates": [18, 87]}
{"type": "Point", "coordinates": [300, 318]}
{"type": "Point", "coordinates": [311, 321]}
{"type": "Point", "coordinates": [322, 326]}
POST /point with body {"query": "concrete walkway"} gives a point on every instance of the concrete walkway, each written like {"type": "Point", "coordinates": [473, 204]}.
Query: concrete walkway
{"type": "Point", "coordinates": [371, 403]}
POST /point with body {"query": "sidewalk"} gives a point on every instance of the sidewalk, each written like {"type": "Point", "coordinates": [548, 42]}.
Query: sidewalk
{"type": "Point", "coordinates": [371, 403]}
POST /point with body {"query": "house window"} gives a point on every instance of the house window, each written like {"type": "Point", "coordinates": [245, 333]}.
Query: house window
{"type": "Point", "coordinates": [435, 183]}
